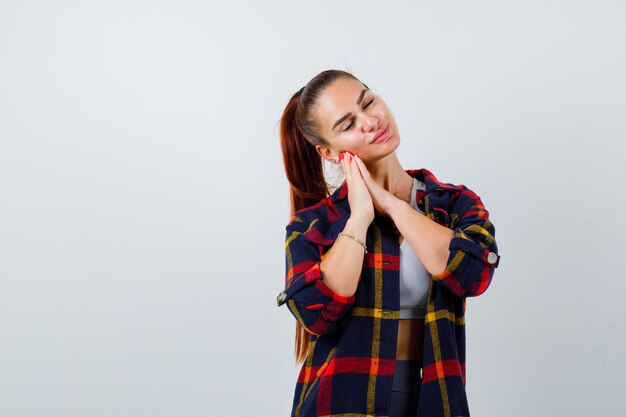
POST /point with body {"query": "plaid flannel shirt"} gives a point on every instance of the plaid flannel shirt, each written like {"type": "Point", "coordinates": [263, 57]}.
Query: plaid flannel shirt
{"type": "Point", "coordinates": [351, 358]}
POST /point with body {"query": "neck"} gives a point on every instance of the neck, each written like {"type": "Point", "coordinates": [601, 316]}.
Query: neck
{"type": "Point", "coordinates": [390, 175]}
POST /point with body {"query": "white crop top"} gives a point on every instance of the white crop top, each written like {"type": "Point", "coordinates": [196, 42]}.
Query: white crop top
{"type": "Point", "coordinates": [414, 278]}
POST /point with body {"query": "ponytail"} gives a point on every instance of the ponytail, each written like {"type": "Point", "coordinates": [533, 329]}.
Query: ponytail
{"type": "Point", "coordinates": [303, 165]}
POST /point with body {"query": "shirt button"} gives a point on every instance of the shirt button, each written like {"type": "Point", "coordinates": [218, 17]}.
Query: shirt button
{"type": "Point", "coordinates": [281, 298]}
{"type": "Point", "coordinates": [492, 258]}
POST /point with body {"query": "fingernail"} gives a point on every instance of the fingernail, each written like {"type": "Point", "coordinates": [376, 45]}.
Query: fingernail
{"type": "Point", "coordinates": [341, 157]}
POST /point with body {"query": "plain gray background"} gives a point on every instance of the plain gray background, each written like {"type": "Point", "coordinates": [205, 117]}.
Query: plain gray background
{"type": "Point", "coordinates": [144, 201]}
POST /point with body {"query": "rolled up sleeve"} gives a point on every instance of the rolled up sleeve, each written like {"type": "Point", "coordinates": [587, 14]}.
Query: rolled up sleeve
{"type": "Point", "coordinates": [315, 306]}
{"type": "Point", "coordinates": [473, 249]}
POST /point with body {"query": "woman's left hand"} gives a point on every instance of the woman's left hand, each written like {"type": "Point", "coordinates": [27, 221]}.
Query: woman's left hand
{"type": "Point", "coordinates": [384, 201]}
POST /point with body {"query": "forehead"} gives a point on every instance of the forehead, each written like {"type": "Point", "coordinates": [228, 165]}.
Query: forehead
{"type": "Point", "coordinates": [337, 99]}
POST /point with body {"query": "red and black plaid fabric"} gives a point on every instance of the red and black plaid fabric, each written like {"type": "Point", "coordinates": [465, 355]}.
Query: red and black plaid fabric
{"type": "Point", "coordinates": [351, 358]}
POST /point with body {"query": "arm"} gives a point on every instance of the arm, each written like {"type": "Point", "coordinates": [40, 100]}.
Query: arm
{"type": "Point", "coordinates": [428, 239]}
{"type": "Point", "coordinates": [466, 255]}
{"type": "Point", "coordinates": [473, 249]}
{"type": "Point", "coordinates": [320, 292]}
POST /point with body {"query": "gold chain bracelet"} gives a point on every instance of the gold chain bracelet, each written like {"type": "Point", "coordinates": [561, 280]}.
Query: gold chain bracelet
{"type": "Point", "coordinates": [353, 237]}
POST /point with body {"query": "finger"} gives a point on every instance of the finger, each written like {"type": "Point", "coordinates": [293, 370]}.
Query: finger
{"type": "Point", "coordinates": [354, 169]}
{"type": "Point", "coordinates": [350, 167]}
{"type": "Point", "coordinates": [362, 168]}
{"type": "Point", "coordinates": [345, 165]}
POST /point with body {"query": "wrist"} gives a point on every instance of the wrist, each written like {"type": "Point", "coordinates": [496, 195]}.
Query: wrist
{"type": "Point", "coordinates": [358, 224]}
{"type": "Point", "coordinates": [396, 206]}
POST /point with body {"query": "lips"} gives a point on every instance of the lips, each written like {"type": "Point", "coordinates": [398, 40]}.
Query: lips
{"type": "Point", "coordinates": [382, 132]}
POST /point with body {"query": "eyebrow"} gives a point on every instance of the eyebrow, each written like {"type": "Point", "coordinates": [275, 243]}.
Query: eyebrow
{"type": "Point", "coordinates": [345, 116]}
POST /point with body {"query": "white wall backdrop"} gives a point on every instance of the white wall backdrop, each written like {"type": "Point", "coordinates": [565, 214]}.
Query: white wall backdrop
{"type": "Point", "coordinates": [143, 197]}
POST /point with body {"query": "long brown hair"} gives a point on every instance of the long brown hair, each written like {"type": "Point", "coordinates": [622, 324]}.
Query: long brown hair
{"type": "Point", "coordinates": [303, 165]}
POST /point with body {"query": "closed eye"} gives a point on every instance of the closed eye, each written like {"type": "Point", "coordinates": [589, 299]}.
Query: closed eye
{"type": "Point", "coordinates": [351, 123]}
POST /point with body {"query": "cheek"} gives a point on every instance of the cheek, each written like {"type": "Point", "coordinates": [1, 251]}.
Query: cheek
{"type": "Point", "coordinates": [353, 143]}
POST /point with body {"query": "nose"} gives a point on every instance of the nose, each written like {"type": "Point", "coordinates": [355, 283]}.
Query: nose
{"type": "Point", "coordinates": [370, 123]}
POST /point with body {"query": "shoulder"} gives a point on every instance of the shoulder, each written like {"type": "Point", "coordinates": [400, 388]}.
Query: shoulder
{"type": "Point", "coordinates": [310, 214]}
{"type": "Point", "coordinates": [321, 222]}
{"type": "Point", "coordinates": [454, 198]}
{"type": "Point", "coordinates": [457, 198]}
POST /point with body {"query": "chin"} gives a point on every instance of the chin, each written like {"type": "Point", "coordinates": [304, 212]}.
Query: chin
{"type": "Point", "coordinates": [392, 144]}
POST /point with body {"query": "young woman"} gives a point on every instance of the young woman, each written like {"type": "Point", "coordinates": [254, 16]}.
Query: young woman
{"type": "Point", "coordinates": [377, 273]}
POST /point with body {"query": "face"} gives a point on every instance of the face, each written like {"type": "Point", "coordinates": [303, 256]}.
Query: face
{"type": "Point", "coordinates": [351, 116]}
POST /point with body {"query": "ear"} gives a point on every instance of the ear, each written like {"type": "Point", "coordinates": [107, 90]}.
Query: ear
{"type": "Point", "coordinates": [326, 153]}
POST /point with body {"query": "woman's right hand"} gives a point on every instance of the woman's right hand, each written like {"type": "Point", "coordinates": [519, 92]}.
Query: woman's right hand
{"type": "Point", "coordinates": [361, 204]}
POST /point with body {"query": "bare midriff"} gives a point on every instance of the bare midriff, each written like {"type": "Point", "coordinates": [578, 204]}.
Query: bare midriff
{"type": "Point", "coordinates": [410, 339]}
{"type": "Point", "coordinates": [410, 336]}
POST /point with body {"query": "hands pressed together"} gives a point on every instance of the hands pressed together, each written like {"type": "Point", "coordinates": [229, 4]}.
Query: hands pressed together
{"type": "Point", "coordinates": [365, 195]}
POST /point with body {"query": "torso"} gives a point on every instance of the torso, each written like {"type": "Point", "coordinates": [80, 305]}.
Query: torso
{"type": "Point", "coordinates": [410, 331]}
{"type": "Point", "coordinates": [410, 336]}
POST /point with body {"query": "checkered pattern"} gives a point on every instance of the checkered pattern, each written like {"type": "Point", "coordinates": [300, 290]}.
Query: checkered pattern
{"type": "Point", "coordinates": [351, 359]}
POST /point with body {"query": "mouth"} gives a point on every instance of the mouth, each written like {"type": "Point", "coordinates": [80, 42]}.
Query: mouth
{"type": "Point", "coordinates": [381, 135]}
